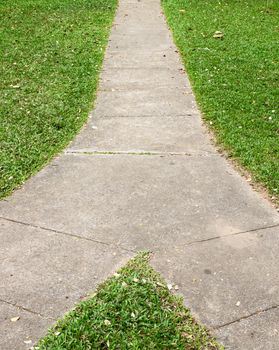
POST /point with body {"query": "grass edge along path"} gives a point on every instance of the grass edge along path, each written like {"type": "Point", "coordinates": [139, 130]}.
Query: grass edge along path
{"type": "Point", "coordinates": [51, 56]}
{"type": "Point", "coordinates": [133, 309]}
{"type": "Point", "coordinates": [230, 51]}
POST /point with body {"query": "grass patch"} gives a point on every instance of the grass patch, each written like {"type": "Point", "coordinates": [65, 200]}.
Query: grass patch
{"type": "Point", "coordinates": [235, 77]}
{"type": "Point", "coordinates": [51, 54]}
{"type": "Point", "coordinates": [132, 310]}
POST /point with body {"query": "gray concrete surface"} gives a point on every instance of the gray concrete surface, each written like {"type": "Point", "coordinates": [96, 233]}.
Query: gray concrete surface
{"type": "Point", "coordinates": [231, 277]}
{"type": "Point", "coordinates": [142, 174]}
{"type": "Point", "coordinates": [259, 332]}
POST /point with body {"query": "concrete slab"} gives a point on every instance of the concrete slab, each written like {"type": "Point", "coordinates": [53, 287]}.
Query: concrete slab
{"type": "Point", "coordinates": [145, 103]}
{"type": "Point", "coordinates": [25, 332]}
{"type": "Point", "coordinates": [137, 134]}
{"type": "Point", "coordinates": [47, 272]}
{"type": "Point", "coordinates": [122, 79]}
{"type": "Point", "coordinates": [225, 279]}
{"type": "Point", "coordinates": [146, 39]}
{"type": "Point", "coordinates": [258, 332]}
{"type": "Point", "coordinates": [143, 59]}
{"type": "Point", "coordinates": [140, 201]}
{"type": "Point", "coordinates": [140, 16]}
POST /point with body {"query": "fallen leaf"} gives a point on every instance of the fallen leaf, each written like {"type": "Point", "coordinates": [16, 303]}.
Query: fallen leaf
{"type": "Point", "coordinates": [169, 285]}
{"type": "Point", "coordinates": [160, 284]}
{"type": "Point", "coordinates": [218, 35]}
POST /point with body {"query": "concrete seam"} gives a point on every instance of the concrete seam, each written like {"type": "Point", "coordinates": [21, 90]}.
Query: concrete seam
{"type": "Point", "coordinates": [26, 309]}
{"type": "Point", "coordinates": [131, 250]}
{"type": "Point", "coordinates": [140, 89]}
{"type": "Point", "coordinates": [160, 154]}
{"type": "Point", "coordinates": [67, 234]}
{"type": "Point", "coordinates": [246, 317]}
{"type": "Point", "coordinates": [112, 51]}
{"type": "Point", "coordinates": [232, 234]}
{"type": "Point", "coordinates": [132, 68]}
{"type": "Point", "coordinates": [194, 114]}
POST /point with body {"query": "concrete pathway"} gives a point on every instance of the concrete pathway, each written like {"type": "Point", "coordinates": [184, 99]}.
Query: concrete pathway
{"type": "Point", "coordinates": [141, 175]}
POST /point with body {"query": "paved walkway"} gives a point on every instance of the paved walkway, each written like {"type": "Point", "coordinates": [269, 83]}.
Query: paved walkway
{"type": "Point", "coordinates": [141, 175]}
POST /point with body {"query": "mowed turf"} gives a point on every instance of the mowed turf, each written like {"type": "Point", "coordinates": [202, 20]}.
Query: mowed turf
{"type": "Point", "coordinates": [132, 310]}
{"type": "Point", "coordinates": [235, 75]}
{"type": "Point", "coordinates": [51, 54]}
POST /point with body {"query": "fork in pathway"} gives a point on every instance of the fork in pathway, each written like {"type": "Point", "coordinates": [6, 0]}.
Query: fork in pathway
{"type": "Point", "coordinates": [142, 174]}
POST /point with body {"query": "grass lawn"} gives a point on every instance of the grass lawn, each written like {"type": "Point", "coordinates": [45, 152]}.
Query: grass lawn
{"type": "Point", "coordinates": [50, 57]}
{"type": "Point", "coordinates": [132, 310]}
{"type": "Point", "coordinates": [235, 77]}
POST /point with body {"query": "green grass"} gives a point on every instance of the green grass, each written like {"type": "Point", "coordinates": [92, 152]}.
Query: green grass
{"type": "Point", "coordinates": [132, 310]}
{"type": "Point", "coordinates": [235, 78]}
{"type": "Point", "coordinates": [50, 57]}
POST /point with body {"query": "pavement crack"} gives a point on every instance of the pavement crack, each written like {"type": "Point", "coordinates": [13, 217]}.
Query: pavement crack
{"type": "Point", "coordinates": [22, 308]}
{"type": "Point", "coordinates": [192, 114]}
{"type": "Point", "coordinates": [128, 153]}
{"type": "Point", "coordinates": [255, 313]}
{"type": "Point", "coordinates": [137, 88]}
{"type": "Point", "coordinates": [140, 68]}
{"type": "Point", "coordinates": [143, 153]}
{"type": "Point", "coordinates": [67, 234]}
{"type": "Point", "coordinates": [232, 234]}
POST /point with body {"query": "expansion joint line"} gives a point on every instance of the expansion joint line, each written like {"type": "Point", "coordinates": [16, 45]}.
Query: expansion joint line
{"type": "Point", "coordinates": [108, 116]}
{"type": "Point", "coordinates": [143, 153]}
{"type": "Point", "coordinates": [139, 153]}
{"type": "Point", "coordinates": [26, 309]}
{"type": "Point", "coordinates": [232, 234]}
{"type": "Point", "coordinates": [68, 234]}
{"type": "Point", "coordinates": [258, 312]}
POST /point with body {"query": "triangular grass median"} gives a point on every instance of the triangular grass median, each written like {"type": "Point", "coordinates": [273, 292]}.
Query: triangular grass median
{"type": "Point", "coordinates": [132, 310]}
